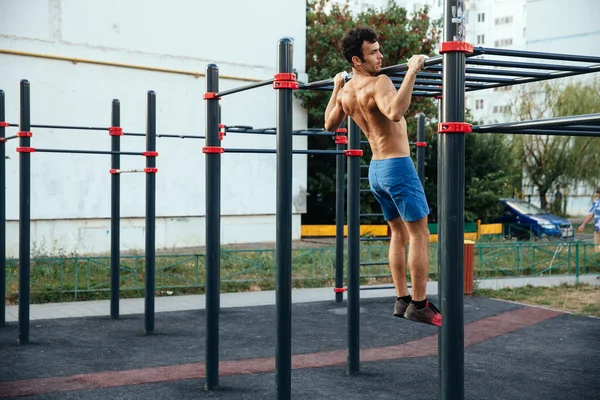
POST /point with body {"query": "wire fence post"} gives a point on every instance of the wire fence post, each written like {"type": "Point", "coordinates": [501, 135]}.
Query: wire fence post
{"type": "Point", "coordinates": [213, 230]}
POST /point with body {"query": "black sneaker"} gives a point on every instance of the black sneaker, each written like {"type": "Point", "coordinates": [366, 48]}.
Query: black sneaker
{"type": "Point", "coordinates": [427, 315]}
{"type": "Point", "coordinates": [400, 308]}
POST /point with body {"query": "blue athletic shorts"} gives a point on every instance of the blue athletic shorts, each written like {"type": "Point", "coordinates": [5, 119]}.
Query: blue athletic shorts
{"type": "Point", "coordinates": [396, 186]}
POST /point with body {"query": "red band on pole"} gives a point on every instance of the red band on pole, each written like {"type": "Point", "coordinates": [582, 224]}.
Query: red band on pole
{"type": "Point", "coordinates": [151, 170]}
{"type": "Point", "coordinates": [341, 140]}
{"type": "Point", "coordinates": [339, 290]}
{"type": "Point", "coordinates": [210, 96]}
{"type": "Point", "coordinates": [213, 150]}
{"type": "Point", "coordinates": [4, 124]}
{"type": "Point", "coordinates": [114, 171]}
{"type": "Point", "coordinates": [25, 149]}
{"type": "Point", "coordinates": [341, 130]}
{"type": "Point", "coordinates": [454, 127]}
{"type": "Point", "coordinates": [24, 134]}
{"type": "Point", "coordinates": [285, 80]}
{"type": "Point", "coordinates": [115, 131]}
{"type": "Point", "coordinates": [456, 47]}
{"type": "Point", "coordinates": [353, 153]}
{"type": "Point", "coordinates": [421, 144]}
{"type": "Point", "coordinates": [150, 154]}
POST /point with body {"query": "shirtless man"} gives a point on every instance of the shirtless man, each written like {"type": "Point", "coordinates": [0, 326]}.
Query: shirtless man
{"type": "Point", "coordinates": [374, 104]}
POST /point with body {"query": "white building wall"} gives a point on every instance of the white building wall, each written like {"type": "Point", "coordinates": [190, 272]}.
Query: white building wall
{"type": "Point", "coordinates": [70, 194]}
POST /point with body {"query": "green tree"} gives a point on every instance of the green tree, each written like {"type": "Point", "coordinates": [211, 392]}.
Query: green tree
{"type": "Point", "coordinates": [548, 161]}
{"type": "Point", "coordinates": [401, 36]}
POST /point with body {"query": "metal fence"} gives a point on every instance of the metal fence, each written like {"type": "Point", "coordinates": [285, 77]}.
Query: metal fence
{"type": "Point", "coordinates": [312, 266]}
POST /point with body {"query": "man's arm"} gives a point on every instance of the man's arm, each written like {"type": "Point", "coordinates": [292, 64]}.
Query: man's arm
{"type": "Point", "coordinates": [334, 113]}
{"type": "Point", "coordinates": [394, 104]}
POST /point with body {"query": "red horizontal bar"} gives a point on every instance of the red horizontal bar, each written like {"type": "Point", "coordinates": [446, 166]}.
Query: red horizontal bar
{"type": "Point", "coordinates": [150, 154]}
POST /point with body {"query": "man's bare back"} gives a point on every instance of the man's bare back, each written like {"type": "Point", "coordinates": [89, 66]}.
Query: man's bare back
{"type": "Point", "coordinates": [387, 138]}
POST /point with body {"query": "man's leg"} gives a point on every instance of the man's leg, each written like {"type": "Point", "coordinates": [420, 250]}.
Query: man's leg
{"type": "Point", "coordinates": [418, 257]}
{"type": "Point", "coordinates": [397, 255]}
{"type": "Point", "coordinates": [597, 242]}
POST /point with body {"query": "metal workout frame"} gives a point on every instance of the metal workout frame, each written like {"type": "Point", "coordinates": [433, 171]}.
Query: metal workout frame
{"type": "Point", "coordinates": [24, 150]}
{"type": "Point", "coordinates": [448, 82]}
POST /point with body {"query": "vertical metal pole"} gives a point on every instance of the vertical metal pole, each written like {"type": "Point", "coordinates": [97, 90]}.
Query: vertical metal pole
{"type": "Point", "coordinates": [115, 213]}
{"type": "Point", "coordinates": [340, 165]}
{"type": "Point", "coordinates": [440, 190]}
{"type": "Point", "coordinates": [421, 150]}
{"type": "Point", "coordinates": [353, 359]}
{"type": "Point", "coordinates": [2, 213]}
{"type": "Point", "coordinates": [24, 216]}
{"type": "Point", "coordinates": [150, 211]}
{"type": "Point", "coordinates": [283, 252]}
{"type": "Point", "coordinates": [213, 231]}
{"type": "Point", "coordinates": [451, 225]}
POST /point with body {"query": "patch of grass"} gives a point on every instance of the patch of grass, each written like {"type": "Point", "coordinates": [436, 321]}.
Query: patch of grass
{"type": "Point", "coordinates": [581, 299]}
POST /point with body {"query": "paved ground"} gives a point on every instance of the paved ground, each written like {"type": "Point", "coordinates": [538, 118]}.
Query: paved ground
{"type": "Point", "coordinates": [511, 352]}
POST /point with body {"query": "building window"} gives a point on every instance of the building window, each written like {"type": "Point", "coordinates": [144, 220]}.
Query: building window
{"type": "Point", "coordinates": [503, 42]}
{"type": "Point", "coordinates": [502, 109]}
{"type": "Point", "coordinates": [480, 39]}
{"type": "Point", "coordinates": [504, 20]}
{"type": "Point", "coordinates": [481, 17]}
{"type": "Point", "coordinates": [479, 104]}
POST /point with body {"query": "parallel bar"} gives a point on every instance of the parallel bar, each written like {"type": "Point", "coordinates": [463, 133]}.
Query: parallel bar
{"type": "Point", "coordinates": [438, 76]}
{"type": "Point", "coordinates": [244, 88]}
{"type": "Point", "coordinates": [24, 216]}
{"type": "Point", "coordinates": [87, 128]}
{"type": "Point", "coordinates": [273, 151]}
{"type": "Point", "coordinates": [2, 212]}
{"type": "Point", "coordinates": [115, 214]}
{"type": "Point", "coordinates": [123, 153]}
{"type": "Point", "coordinates": [450, 223]}
{"type": "Point", "coordinates": [283, 252]}
{"type": "Point", "coordinates": [150, 213]}
{"type": "Point", "coordinates": [272, 131]}
{"type": "Point", "coordinates": [540, 123]}
{"type": "Point", "coordinates": [404, 67]}
{"type": "Point", "coordinates": [371, 215]}
{"type": "Point", "coordinates": [10, 137]}
{"type": "Point", "coordinates": [127, 171]}
{"type": "Point", "coordinates": [548, 132]}
{"type": "Point", "coordinates": [525, 65]}
{"type": "Point", "coordinates": [340, 187]}
{"type": "Point", "coordinates": [353, 294]}
{"type": "Point", "coordinates": [213, 232]}
{"type": "Point", "coordinates": [421, 150]}
{"type": "Point", "coordinates": [536, 54]}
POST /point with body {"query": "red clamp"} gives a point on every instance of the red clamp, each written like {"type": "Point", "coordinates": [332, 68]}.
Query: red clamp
{"type": "Point", "coordinates": [353, 153]}
{"type": "Point", "coordinates": [421, 144]}
{"type": "Point", "coordinates": [115, 131]}
{"type": "Point", "coordinates": [150, 154]}
{"type": "Point", "coordinates": [222, 131]}
{"type": "Point", "coordinates": [4, 124]}
{"type": "Point", "coordinates": [454, 127]}
{"type": "Point", "coordinates": [213, 150]}
{"type": "Point", "coordinates": [25, 149]}
{"type": "Point", "coordinates": [341, 130]}
{"type": "Point", "coordinates": [456, 47]}
{"type": "Point", "coordinates": [285, 80]}
{"type": "Point", "coordinates": [24, 134]}
{"type": "Point", "coordinates": [3, 140]}
{"type": "Point", "coordinates": [339, 289]}
{"type": "Point", "coordinates": [150, 170]}
{"type": "Point", "coordinates": [210, 96]}
{"type": "Point", "coordinates": [341, 140]}
{"type": "Point", "coordinates": [114, 171]}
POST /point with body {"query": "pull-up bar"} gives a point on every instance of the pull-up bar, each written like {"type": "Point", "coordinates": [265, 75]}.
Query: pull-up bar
{"type": "Point", "coordinates": [512, 127]}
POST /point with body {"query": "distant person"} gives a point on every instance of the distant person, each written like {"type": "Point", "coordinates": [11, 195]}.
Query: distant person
{"type": "Point", "coordinates": [372, 101]}
{"type": "Point", "coordinates": [558, 200]}
{"type": "Point", "coordinates": [595, 214]}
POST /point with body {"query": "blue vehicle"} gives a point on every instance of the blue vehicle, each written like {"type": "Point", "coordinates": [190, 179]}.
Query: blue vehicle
{"type": "Point", "coordinates": [523, 221]}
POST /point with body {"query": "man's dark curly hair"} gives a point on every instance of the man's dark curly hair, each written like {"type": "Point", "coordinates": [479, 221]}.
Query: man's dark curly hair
{"type": "Point", "coordinates": [353, 41]}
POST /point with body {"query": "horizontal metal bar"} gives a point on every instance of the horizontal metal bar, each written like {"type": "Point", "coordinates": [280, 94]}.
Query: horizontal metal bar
{"type": "Point", "coordinates": [123, 153]}
{"type": "Point", "coordinates": [273, 131]}
{"type": "Point", "coordinates": [502, 72]}
{"type": "Point", "coordinates": [375, 263]}
{"type": "Point", "coordinates": [244, 88]}
{"type": "Point", "coordinates": [524, 65]}
{"type": "Point", "coordinates": [10, 137]}
{"type": "Point", "coordinates": [537, 124]}
{"type": "Point", "coordinates": [404, 67]}
{"type": "Point", "coordinates": [127, 171]}
{"type": "Point", "coordinates": [548, 132]}
{"type": "Point", "coordinates": [379, 287]}
{"type": "Point", "coordinates": [89, 128]}
{"type": "Point", "coordinates": [375, 239]}
{"type": "Point", "coordinates": [180, 136]}
{"type": "Point", "coordinates": [371, 215]}
{"type": "Point", "coordinates": [273, 151]}
{"type": "Point", "coordinates": [438, 77]}
{"type": "Point", "coordinates": [536, 54]}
